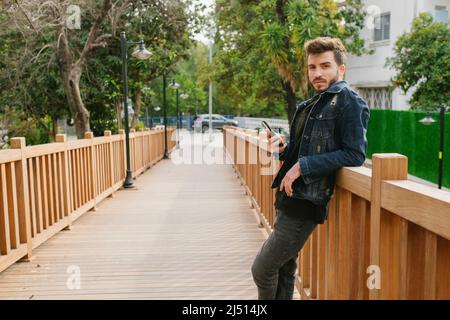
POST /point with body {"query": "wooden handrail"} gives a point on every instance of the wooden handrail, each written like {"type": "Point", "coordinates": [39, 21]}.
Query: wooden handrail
{"type": "Point", "coordinates": [386, 237]}
{"type": "Point", "coordinates": [44, 188]}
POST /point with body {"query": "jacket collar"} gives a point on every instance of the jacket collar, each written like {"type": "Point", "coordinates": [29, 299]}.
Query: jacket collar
{"type": "Point", "coordinates": [337, 86]}
{"type": "Point", "coordinates": [334, 88]}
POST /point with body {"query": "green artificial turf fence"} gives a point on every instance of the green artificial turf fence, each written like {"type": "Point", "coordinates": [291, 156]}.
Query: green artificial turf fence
{"type": "Point", "coordinates": [401, 132]}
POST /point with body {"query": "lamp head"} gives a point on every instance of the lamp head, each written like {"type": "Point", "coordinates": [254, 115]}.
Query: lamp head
{"type": "Point", "coordinates": [427, 120]}
{"type": "Point", "coordinates": [173, 85]}
{"type": "Point", "coordinates": [141, 53]}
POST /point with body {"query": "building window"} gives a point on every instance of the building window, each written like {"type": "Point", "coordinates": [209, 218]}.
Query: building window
{"type": "Point", "coordinates": [382, 27]}
{"type": "Point", "coordinates": [440, 14]}
{"type": "Point", "coordinates": [377, 97]}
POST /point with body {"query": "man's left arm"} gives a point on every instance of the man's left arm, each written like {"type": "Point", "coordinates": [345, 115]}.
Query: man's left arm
{"type": "Point", "coordinates": [352, 126]}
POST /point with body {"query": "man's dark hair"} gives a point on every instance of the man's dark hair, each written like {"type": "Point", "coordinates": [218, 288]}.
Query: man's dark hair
{"type": "Point", "coordinates": [324, 44]}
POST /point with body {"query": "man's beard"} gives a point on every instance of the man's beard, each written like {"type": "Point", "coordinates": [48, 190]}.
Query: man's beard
{"type": "Point", "coordinates": [331, 82]}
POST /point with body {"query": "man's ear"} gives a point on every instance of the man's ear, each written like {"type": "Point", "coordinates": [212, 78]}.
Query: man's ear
{"type": "Point", "coordinates": [342, 71]}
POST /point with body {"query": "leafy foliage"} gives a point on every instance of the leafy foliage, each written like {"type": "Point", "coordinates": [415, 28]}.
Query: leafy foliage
{"type": "Point", "coordinates": [422, 61]}
{"type": "Point", "coordinates": [261, 60]}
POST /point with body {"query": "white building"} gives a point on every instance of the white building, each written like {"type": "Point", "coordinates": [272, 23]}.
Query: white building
{"type": "Point", "coordinates": [367, 74]}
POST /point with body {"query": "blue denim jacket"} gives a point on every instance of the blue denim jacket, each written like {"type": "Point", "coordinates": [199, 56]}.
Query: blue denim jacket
{"type": "Point", "coordinates": [334, 137]}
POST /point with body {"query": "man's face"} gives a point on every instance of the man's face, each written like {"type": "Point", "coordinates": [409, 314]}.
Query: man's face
{"type": "Point", "coordinates": [323, 70]}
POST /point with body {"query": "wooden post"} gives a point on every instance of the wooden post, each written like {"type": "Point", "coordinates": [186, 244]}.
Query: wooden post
{"type": "Point", "coordinates": [107, 133]}
{"type": "Point", "coordinates": [93, 171]}
{"type": "Point", "coordinates": [23, 201]}
{"type": "Point", "coordinates": [430, 265]}
{"type": "Point", "coordinates": [344, 208]}
{"type": "Point", "coordinates": [141, 130]}
{"type": "Point", "coordinates": [132, 151]}
{"type": "Point", "coordinates": [384, 167]}
{"type": "Point", "coordinates": [124, 154]}
{"type": "Point", "coordinates": [152, 144]}
{"type": "Point", "coordinates": [224, 137]}
{"type": "Point", "coordinates": [146, 140]}
{"type": "Point", "coordinates": [61, 138]}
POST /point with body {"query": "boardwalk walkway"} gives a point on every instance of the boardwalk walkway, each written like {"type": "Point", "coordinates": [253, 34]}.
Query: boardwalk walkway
{"type": "Point", "coordinates": [185, 232]}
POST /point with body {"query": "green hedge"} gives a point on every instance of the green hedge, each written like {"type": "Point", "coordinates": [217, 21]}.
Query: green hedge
{"type": "Point", "coordinates": [401, 132]}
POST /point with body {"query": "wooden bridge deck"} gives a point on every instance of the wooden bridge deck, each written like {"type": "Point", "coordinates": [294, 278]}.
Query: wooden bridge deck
{"type": "Point", "coordinates": [185, 232]}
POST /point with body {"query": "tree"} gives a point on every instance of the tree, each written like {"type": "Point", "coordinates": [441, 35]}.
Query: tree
{"type": "Point", "coordinates": [247, 80]}
{"type": "Point", "coordinates": [88, 58]}
{"type": "Point", "coordinates": [277, 30]}
{"type": "Point", "coordinates": [29, 88]}
{"type": "Point", "coordinates": [185, 73]}
{"type": "Point", "coordinates": [71, 46]}
{"type": "Point", "coordinates": [166, 27]}
{"type": "Point", "coordinates": [422, 61]}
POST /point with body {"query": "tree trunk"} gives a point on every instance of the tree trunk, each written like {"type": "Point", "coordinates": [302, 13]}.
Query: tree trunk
{"type": "Point", "coordinates": [286, 83]}
{"type": "Point", "coordinates": [71, 70]}
{"type": "Point", "coordinates": [137, 107]}
{"type": "Point", "coordinates": [291, 100]}
{"type": "Point", "coordinates": [71, 74]}
{"type": "Point", "coordinates": [54, 127]}
{"type": "Point", "coordinates": [71, 80]}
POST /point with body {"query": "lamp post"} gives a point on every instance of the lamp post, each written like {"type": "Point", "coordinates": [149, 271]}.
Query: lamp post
{"type": "Point", "coordinates": [145, 90]}
{"type": "Point", "coordinates": [183, 96]}
{"type": "Point", "coordinates": [210, 91]}
{"type": "Point", "coordinates": [141, 53]}
{"type": "Point", "coordinates": [166, 154]}
{"type": "Point", "coordinates": [428, 120]}
{"type": "Point", "coordinates": [175, 86]}
{"type": "Point", "coordinates": [151, 115]}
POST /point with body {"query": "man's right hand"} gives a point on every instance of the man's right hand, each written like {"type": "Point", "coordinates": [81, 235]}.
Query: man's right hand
{"type": "Point", "coordinates": [275, 142]}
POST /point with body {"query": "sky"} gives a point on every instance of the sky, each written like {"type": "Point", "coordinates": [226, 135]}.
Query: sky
{"type": "Point", "coordinates": [202, 36]}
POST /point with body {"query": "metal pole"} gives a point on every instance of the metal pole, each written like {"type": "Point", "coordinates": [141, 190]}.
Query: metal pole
{"type": "Point", "coordinates": [166, 156]}
{"type": "Point", "coordinates": [210, 94]}
{"type": "Point", "coordinates": [151, 117]}
{"type": "Point", "coordinates": [441, 145]}
{"type": "Point", "coordinates": [178, 123]}
{"type": "Point", "coordinates": [124, 46]}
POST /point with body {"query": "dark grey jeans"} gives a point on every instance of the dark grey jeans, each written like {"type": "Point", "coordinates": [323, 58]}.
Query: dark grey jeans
{"type": "Point", "coordinates": [276, 263]}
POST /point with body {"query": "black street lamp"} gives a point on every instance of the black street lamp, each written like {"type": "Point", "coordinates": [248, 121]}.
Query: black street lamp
{"type": "Point", "coordinates": [151, 115]}
{"type": "Point", "coordinates": [166, 154]}
{"type": "Point", "coordinates": [175, 86]}
{"type": "Point", "coordinates": [429, 120]}
{"type": "Point", "coordinates": [146, 90]}
{"type": "Point", "coordinates": [183, 96]}
{"type": "Point", "coordinates": [141, 53]}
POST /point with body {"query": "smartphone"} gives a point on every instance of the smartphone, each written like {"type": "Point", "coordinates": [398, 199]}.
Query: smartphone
{"type": "Point", "coordinates": [273, 133]}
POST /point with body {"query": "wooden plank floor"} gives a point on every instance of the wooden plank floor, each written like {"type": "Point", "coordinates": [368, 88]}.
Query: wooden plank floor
{"type": "Point", "coordinates": [185, 232]}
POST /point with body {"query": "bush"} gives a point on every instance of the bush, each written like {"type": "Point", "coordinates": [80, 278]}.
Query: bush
{"type": "Point", "coordinates": [139, 125]}
{"type": "Point", "coordinates": [19, 125]}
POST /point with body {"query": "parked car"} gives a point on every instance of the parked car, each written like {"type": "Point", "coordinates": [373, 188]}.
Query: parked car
{"type": "Point", "coordinates": [218, 122]}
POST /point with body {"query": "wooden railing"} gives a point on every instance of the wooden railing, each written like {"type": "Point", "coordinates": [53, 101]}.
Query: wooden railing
{"type": "Point", "coordinates": [386, 237]}
{"type": "Point", "coordinates": [44, 188]}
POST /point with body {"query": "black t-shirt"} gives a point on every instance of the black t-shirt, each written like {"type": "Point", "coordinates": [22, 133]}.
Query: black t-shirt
{"type": "Point", "coordinates": [290, 205]}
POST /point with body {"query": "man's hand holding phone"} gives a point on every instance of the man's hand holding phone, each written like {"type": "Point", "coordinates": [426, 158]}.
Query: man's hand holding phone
{"type": "Point", "coordinates": [276, 142]}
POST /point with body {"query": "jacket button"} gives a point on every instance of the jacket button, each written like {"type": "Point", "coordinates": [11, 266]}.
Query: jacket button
{"type": "Point", "coordinates": [320, 116]}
